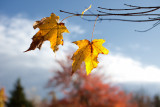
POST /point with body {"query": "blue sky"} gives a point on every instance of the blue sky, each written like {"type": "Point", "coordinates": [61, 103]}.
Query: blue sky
{"type": "Point", "coordinates": [116, 34]}
{"type": "Point", "coordinates": [134, 54]}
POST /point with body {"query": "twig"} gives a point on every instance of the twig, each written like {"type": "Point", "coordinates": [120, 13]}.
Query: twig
{"type": "Point", "coordinates": [94, 27]}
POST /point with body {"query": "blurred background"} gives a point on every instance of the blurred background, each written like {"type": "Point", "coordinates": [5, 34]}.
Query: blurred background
{"type": "Point", "coordinates": [131, 68]}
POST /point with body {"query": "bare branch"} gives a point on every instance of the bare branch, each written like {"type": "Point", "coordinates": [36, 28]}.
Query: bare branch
{"type": "Point", "coordinates": [142, 7]}
{"type": "Point", "coordinates": [118, 9]}
{"type": "Point", "coordinates": [139, 11]}
{"type": "Point", "coordinates": [154, 25]}
{"type": "Point", "coordinates": [128, 14]}
{"type": "Point", "coordinates": [114, 14]}
{"type": "Point", "coordinates": [142, 12]}
{"type": "Point", "coordinates": [126, 20]}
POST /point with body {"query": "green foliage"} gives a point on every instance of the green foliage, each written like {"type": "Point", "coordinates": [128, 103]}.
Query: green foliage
{"type": "Point", "coordinates": [156, 101]}
{"type": "Point", "coordinates": [18, 98]}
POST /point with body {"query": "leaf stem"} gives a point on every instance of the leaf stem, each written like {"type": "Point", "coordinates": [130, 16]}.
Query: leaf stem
{"type": "Point", "coordinates": [94, 27]}
{"type": "Point", "coordinates": [67, 18]}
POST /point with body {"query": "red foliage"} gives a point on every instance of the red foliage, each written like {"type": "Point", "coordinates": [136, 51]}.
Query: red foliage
{"type": "Point", "coordinates": [87, 91]}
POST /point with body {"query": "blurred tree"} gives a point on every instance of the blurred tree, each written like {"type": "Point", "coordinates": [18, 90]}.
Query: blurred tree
{"type": "Point", "coordinates": [86, 91]}
{"type": "Point", "coordinates": [156, 101]}
{"type": "Point", "coordinates": [3, 97]}
{"type": "Point", "coordinates": [142, 101]}
{"type": "Point", "coordinates": [43, 103]}
{"type": "Point", "coordinates": [18, 98]}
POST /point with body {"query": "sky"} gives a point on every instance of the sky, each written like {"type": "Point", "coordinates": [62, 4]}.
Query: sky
{"type": "Point", "coordinates": [133, 57]}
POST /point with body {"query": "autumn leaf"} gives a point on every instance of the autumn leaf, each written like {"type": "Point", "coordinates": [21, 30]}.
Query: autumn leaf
{"type": "Point", "coordinates": [88, 52]}
{"type": "Point", "coordinates": [49, 29]}
{"type": "Point", "coordinates": [86, 10]}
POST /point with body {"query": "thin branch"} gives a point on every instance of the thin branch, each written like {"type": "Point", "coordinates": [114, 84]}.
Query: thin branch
{"type": "Point", "coordinates": [154, 25]}
{"type": "Point", "coordinates": [94, 13]}
{"type": "Point", "coordinates": [142, 7]}
{"type": "Point", "coordinates": [110, 14]}
{"type": "Point", "coordinates": [127, 14]}
{"type": "Point", "coordinates": [137, 12]}
{"type": "Point", "coordinates": [133, 8]}
{"type": "Point", "coordinates": [142, 11]}
{"type": "Point", "coordinates": [155, 18]}
{"type": "Point", "coordinates": [126, 20]}
{"type": "Point", "coordinates": [118, 9]}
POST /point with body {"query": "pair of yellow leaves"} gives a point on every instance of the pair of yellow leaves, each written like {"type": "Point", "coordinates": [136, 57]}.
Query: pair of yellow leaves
{"type": "Point", "coordinates": [52, 31]}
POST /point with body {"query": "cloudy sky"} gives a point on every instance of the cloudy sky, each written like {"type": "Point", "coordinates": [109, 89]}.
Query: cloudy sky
{"type": "Point", "coordinates": [133, 57]}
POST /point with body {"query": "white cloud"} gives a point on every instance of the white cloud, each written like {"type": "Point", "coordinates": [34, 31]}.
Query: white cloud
{"type": "Point", "coordinates": [15, 38]}
{"type": "Point", "coordinates": [76, 29]}
{"type": "Point", "coordinates": [15, 34]}
{"type": "Point", "coordinates": [34, 66]}
{"type": "Point", "coordinates": [125, 69]}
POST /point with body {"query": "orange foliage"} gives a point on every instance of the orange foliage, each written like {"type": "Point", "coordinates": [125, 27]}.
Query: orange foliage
{"type": "Point", "coordinates": [3, 97]}
{"type": "Point", "coordinates": [87, 91]}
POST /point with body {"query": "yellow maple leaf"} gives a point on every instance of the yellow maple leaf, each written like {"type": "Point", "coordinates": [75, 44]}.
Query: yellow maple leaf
{"type": "Point", "coordinates": [3, 97]}
{"type": "Point", "coordinates": [50, 30]}
{"type": "Point", "coordinates": [88, 52]}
